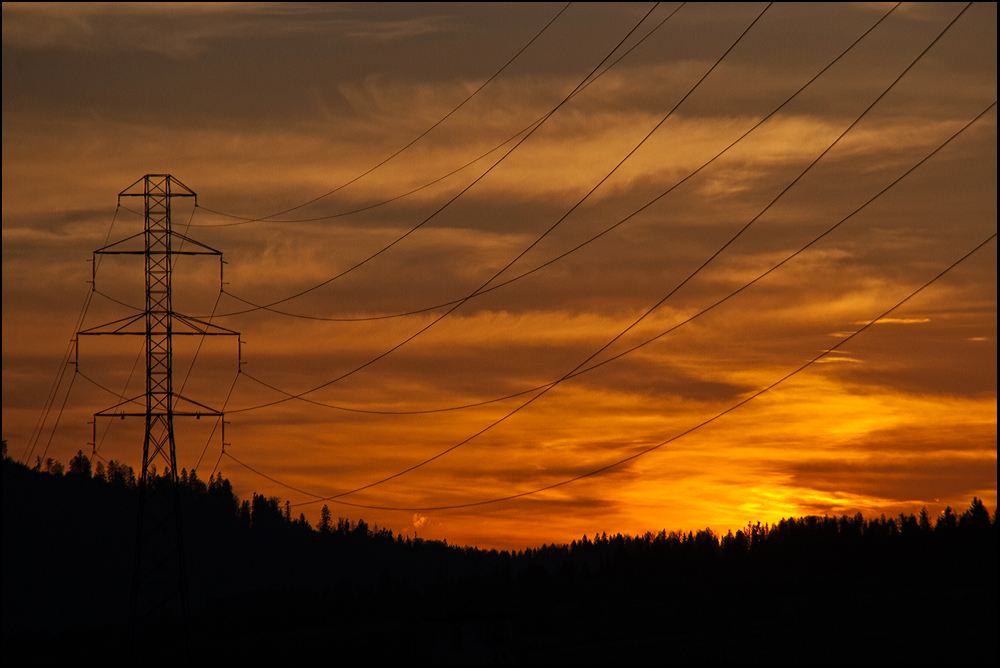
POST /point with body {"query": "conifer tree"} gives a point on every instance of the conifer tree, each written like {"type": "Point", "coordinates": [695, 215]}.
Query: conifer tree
{"type": "Point", "coordinates": [325, 523]}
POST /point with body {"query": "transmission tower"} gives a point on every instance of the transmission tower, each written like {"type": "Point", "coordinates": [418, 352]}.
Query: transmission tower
{"type": "Point", "coordinates": [159, 584]}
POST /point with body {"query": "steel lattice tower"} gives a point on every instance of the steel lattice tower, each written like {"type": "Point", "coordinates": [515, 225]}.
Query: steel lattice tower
{"type": "Point", "coordinates": [159, 583]}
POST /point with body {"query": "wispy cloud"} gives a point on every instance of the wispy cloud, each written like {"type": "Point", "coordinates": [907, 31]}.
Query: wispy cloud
{"type": "Point", "coordinates": [260, 108]}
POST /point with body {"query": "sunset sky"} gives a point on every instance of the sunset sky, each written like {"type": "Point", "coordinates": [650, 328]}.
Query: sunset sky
{"type": "Point", "coordinates": [264, 109]}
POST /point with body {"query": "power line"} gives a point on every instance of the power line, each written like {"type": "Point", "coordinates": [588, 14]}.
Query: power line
{"type": "Point", "coordinates": [533, 244]}
{"type": "Point", "coordinates": [483, 291]}
{"type": "Point", "coordinates": [528, 129]}
{"type": "Point", "coordinates": [591, 239]}
{"type": "Point", "coordinates": [36, 432]}
{"type": "Point", "coordinates": [383, 202]}
{"type": "Point", "coordinates": [580, 367]}
{"type": "Point", "coordinates": [89, 296]}
{"type": "Point", "coordinates": [219, 421]}
{"type": "Point", "coordinates": [577, 370]}
{"type": "Point", "coordinates": [461, 192]}
{"type": "Point", "coordinates": [120, 395]}
{"type": "Point", "coordinates": [719, 251]}
{"type": "Point", "coordinates": [690, 430]}
{"type": "Point", "coordinates": [269, 307]}
{"type": "Point", "coordinates": [412, 142]}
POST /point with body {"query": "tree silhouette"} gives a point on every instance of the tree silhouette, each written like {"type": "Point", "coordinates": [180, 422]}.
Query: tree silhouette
{"type": "Point", "coordinates": [925, 520]}
{"type": "Point", "coordinates": [947, 523]}
{"type": "Point", "coordinates": [325, 522]}
{"type": "Point", "coordinates": [976, 518]}
{"type": "Point", "coordinates": [79, 465]}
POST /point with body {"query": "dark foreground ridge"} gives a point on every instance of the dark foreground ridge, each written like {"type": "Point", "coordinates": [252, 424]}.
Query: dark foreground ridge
{"type": "Point", "coordinates": [265, 588]}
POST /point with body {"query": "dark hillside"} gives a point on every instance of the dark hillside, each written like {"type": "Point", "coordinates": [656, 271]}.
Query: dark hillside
{"type": "Point", "coordinates": [266, 588]}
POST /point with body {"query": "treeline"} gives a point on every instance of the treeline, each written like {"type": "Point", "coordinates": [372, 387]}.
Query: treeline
{"type": "Point", "coordinates": [260, 576]}
{"type": "Point", "coordinates": [266, 513]}
{"type": "Point", "coordinates": [790, 538]}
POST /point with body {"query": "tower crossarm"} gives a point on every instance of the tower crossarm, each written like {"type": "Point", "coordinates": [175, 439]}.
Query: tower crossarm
{"type": "Point", "coordinates": [159, 574]}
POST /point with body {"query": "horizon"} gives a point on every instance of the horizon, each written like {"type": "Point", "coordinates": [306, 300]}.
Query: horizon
{"type": "Point", "coordinates": [57, 469]}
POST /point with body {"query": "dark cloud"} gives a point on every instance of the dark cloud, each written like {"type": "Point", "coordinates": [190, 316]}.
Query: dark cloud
{"type": "Point", "coordinates": [922, 480]}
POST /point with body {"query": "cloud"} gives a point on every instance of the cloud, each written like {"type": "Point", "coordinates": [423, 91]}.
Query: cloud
{"type": "Point", "coordinates": [187, 30]}
{"type": "Point", "coordinates": [262, 108]}
{"type": "Point", "coordinates": [898, 321]}
{"type": "Point", "coordinates": [902, 480]}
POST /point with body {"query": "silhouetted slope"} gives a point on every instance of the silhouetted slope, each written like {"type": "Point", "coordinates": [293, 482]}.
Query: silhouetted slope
{"type": "Point", "coordinates": [265, 588]}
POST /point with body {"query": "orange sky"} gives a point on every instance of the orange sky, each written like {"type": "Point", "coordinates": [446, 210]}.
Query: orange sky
{"type": "Point", "coordinates": [260, 108]}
